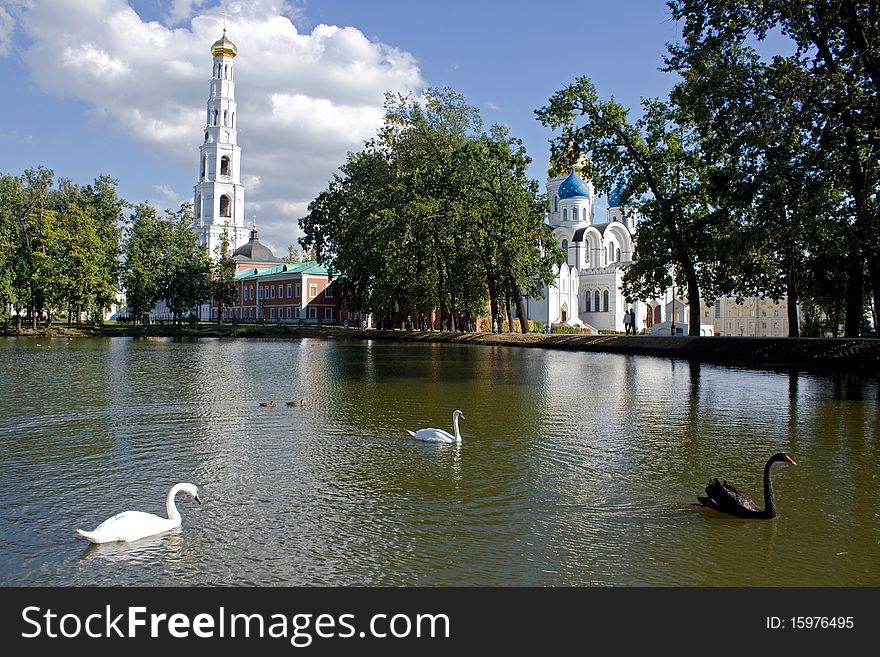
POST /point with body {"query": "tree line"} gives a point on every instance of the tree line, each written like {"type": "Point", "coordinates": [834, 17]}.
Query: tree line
{"type": "Point", "coordinates": [759, 175]}
{"type": "Point", "coordinates": [434, 215]}
{"type": "Point", "coordinates": [70, 249]}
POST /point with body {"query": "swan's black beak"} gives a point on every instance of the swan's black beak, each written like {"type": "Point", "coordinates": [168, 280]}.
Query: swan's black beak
{"type": "Point", "coordinates": [196, 498]}
{"type": "Point", "coordinates": [790, 460]}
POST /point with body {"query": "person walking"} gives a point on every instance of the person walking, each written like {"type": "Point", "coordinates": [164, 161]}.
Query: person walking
{"type": "Point", "coordinates": [632, 320]}
{"type": "Point", "coordinates": [626, 321]}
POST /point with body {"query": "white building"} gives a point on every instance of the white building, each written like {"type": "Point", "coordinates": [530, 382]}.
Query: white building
{"type": "Point", "coordinates": [218, 203]}
{"type": "Point", "coordinates": [587, 288]}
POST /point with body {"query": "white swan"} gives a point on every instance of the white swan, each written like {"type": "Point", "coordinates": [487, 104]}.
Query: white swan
{"type": "Point", "coordinates": [132, 525]}
{"type": "Point", "coordinates": [438, 435]}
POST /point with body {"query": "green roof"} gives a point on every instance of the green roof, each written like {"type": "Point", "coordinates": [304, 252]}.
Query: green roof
{"type": "Point", "coordinates": [307, 267]}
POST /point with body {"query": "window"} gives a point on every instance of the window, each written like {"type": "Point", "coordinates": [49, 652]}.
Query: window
{"type": "Point", "coordinates": [574, 214]}
{"type": "Point", "coordinates": [605, 301]}
{"type": "Point", "coordinates": [272, 313]}
{"type": "Point", "coordinates": [313, 313]}
{"type": "Point", "coordinates": [205, 167]}
{"type": "Point", "coordinates": [224, 166]}
{"type": "Point", "coordinates": [718, 309]}
{"type": "Point", "coordinates": [328, 313]}
{"type": "Point", "coordinates": [328, 292]}
{"type": "Point", "coordinates": [280, 290]}
{"type": "Point", "coordinates": [596, 300]}
{"type": "Point", "coordinates": [289, 291]}
{"type": "Point", "coordinates": [225, 117]}
{"type": "Point", "coordinates": [272, 291]}
{"type": "Point", "coordinates": [225, 206]}
{"type": "Point", "coordinates": [298, 291]}
{"type": "Point", "coordinates": [565, 214]}
{"type": "Point", "coordinates": [555, 204]}
{"type": "Point", "coordinates": [588, 298]}
{"type": "Point", "coordinates": [618, 255]}
{"type": "Point", "coordinates": [565, 248]}
{"type": "Point", "coordinates": [288, 312]}
{"type": "Point", "coordinates": [313, 291]}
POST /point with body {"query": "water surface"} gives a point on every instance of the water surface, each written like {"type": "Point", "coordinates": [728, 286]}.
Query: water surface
{"type": "Point", "coordinates": [575, 468]}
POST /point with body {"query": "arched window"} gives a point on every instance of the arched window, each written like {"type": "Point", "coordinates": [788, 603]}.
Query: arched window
{"type": "Point", "coordinates": [565, 214]}
{"type": "Point", "coordinates": [588, 302]}
{"type": "Point", "coordinates": [555, 204]}
{"type": "Point", "coordinates": [206, 136]}
{"type": "Point", "coordinates": [565, 248]}
{"type": "Point", "coordinates": [225, 206]}
{"type": "Point", "coordinates": [574, 214]}
{"type": "Point", "coordinates": [596, 300]}
{"type": "Point", "coordinates": [617, 258]}
{"type": "Point", "coordinates": [205, 168]}
{"type": "Point", "coordinates": [233, 119]}
{"type": "Point", "coordinates": [198, 208]}
{"type": "Point", "coordinates": [225, 117]}
{"type": "Point", "coordinates": [226, 72]}
{"type": "Point", "coordinates": [224, 166]}
{"type": "Point", "coordinates": [605, 301]}
{"type": "Point", "coordinates": [216, 117]}
{"type": "Point", "coordinates": [608, 255]}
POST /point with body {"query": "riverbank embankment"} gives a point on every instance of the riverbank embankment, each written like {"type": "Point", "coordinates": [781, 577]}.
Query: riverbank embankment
{"type": "Point", "coordinates": [851, 354]}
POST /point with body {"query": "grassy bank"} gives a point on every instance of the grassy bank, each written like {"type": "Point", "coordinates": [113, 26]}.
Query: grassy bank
{"type": "Point", "coordinates": [852, 354]}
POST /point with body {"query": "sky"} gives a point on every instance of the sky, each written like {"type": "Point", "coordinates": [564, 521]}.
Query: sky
{"type": "Point", "coordinates": [119, 87]}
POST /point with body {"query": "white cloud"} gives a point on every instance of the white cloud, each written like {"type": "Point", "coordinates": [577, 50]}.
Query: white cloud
{"type": "Point", "coordinates": [493, 106]}
{"type": "Point", "coordinates": [170, 198]}
{"type": "Point", "coordinates": [304, 100]}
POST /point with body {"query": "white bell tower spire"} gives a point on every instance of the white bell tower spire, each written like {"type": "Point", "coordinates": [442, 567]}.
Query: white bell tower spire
{"type": "Point", "coordinates": [219, 194]}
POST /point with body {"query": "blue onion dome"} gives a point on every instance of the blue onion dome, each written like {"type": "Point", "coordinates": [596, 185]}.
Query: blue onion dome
{"type": "Point", "coordinates": [615, 196]}
{"type": "Point", "coordinates": [573, 187]}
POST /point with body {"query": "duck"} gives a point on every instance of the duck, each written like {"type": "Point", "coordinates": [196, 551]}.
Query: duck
{"type": "Point", "coordinates": [295, 402]}
{"type": "Point", "coordinates": [132, 525]}
{"type": "Point", "coordinates": [439, 435]}
{"type": "Point", "coordinates": [268, 404]}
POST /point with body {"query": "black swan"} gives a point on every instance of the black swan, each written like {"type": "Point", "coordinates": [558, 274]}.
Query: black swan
{"type": "Point", "coordinates": [727, 499]}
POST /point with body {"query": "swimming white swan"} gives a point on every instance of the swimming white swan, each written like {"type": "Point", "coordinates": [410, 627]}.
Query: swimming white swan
{"type": "Point", "coordinates": [132, 525]}
{"type": "Point", "coordinates": [438, 435]}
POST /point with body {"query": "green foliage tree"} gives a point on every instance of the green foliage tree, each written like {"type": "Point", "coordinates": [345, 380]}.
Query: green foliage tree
{"type": "Point", "coordinates": [658, 159]}
{"type": "Point", "coordinates": [224, 291]}
{"type": "Point", "coordinates": [836, 62]}
{"type": "Point", "coordinates": [186, 267]}
{"type": "Point", "coordinates": [142, 260]}
{"type": "Point", "coordinates": [432, 215]}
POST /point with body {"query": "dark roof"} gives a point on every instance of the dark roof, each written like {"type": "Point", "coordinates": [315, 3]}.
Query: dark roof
{"type": "Point", "coordinates": [254, 251]}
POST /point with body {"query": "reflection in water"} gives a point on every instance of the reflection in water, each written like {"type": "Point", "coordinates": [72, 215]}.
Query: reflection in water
{"type": "Point", "coordinates": [574, 468]}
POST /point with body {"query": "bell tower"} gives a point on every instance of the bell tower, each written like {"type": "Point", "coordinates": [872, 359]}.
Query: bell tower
{"type": "Point", "coordinates": [219, 195]}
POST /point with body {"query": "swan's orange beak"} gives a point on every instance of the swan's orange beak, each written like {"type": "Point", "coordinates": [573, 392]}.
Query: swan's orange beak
{"type": "Point", "coordinates": [790, 460]}
{"type": "Point", "coordinates": [196, 498]}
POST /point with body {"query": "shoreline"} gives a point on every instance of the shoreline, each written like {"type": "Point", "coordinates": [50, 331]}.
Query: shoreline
{"type": "Point", "coordinates": [861, 355]}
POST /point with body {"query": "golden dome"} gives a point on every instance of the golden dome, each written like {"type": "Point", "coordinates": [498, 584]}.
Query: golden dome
{"type": "Point", "coordinates": [224, 46]}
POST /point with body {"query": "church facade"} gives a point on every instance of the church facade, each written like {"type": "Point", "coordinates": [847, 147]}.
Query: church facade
{"type": "Point", "coordinates": [586, 291]}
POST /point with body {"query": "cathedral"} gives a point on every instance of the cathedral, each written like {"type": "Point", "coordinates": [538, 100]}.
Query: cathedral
{"type": "Point", "coordinates": [586, 292]}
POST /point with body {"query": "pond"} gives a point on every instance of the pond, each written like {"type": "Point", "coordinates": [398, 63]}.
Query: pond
{"type": "Point", "coordinates": [574, 468]}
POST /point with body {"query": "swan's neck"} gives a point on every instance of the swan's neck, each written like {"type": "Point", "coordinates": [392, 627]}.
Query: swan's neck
{"type": "Point", "coordinates": [170, 506]}
{"type": "Point", "coordinates": [455, 426]}
{"type": "Point", "coordinates": [769, 499]}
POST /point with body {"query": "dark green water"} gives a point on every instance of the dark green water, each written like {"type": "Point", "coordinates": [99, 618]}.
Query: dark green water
{"type": "Point", "coordinates": [575, 468]}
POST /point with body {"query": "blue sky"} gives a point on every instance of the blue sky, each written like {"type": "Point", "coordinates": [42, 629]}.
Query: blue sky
{"type": "Point", "coordinates": [117, 87]}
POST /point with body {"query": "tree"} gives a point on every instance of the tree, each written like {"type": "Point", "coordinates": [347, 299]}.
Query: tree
{"type": "Point", "coordinates": [186, 268]}
{"type": "Point", "coordinates": [142, 260]}
{"type": "Point", "coordinates": [658, 160]}
{"type": "Point", "coordinates": [224, 291]}
{"type": "Point", "coordinates": [837, 56]}
{"type": "Point", "coordinates": [293, 254]}
{"type": "Point", "coordinates": [432, 215]}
